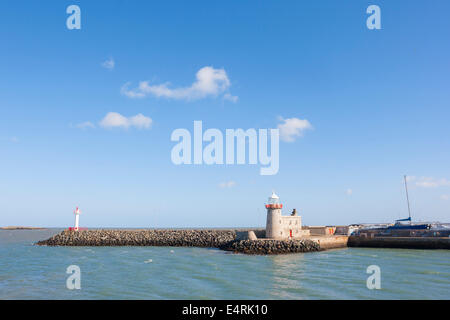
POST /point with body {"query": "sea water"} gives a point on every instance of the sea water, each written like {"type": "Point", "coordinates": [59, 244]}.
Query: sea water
{"type": "Point", "coordinates": [28, 271]}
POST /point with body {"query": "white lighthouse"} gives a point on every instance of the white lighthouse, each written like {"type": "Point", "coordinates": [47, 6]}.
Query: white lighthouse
{"type": "Point", "coordinates": [282, 227]}
{"type": "Point", "coordinates": [273, 225]}
{"type": "Point", "coordinates": [77, 218]}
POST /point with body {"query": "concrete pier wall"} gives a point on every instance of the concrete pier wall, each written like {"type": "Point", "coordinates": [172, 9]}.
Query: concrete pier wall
{"type": "Point", "coordinates": [243, 234]}
{"type": "Point", "coordinates": [399, 242]}
{"type": "Point", "coordinates": [331, 242]}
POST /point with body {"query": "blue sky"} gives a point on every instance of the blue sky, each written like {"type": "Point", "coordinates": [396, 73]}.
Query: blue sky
{"type": "Point", "coordinates": [377, 101]}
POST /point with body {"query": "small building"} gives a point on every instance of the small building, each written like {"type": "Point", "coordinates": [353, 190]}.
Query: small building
{"type": "Point", "coordinates": [282, 227]}
{"type": "Point", "coordinates": [321, 230]}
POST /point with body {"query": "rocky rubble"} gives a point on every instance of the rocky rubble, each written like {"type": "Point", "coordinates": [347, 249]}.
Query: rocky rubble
{"type": "Point", "coordinates": [271, 246]}
{"type": "Point", "coordinates": [176, 238]}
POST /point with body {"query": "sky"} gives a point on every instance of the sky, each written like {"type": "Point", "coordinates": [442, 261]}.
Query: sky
{"type": "Point", "coordinates": [86, 115]}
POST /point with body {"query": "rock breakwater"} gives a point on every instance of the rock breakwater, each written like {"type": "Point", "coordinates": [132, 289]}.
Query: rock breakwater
{"type": "Point", "coordinates": [267, 246]}
{"type": "Point", "coordinates": [229, 240]}
{"type": "Point", "coordinates": [174, 238]}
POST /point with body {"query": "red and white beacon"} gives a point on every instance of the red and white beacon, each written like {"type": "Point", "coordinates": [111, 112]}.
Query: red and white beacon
{"type": "Point", "coordinates": [77, 218]}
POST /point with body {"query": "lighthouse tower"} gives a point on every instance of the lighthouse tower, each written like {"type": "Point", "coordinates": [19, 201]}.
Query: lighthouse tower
{"type": "Point", "coordinates": [274, 219]}
{"type": "Point", "coordinates": [77, 218]}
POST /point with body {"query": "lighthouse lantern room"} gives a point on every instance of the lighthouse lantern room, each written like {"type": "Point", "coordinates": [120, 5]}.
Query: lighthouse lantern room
{"type": "Point", "coordinates": [274, 202]}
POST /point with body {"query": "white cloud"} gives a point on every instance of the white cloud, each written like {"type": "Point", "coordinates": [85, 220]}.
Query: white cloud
{"type": "Point", "coordinates": [209, 82]}
{"type": "Point", "coordinates": [140, 121]}
{"type": "Point", "coordinates": [135, 93]}
{"type": "Point", "coordinates": [227, 184]}
{"type": "Point", "coordinates": [116, 120]}
{"type": "Point", "coordinates": [85, 125]}
{"type": "Point", "coordinates": [292, 128]}
{"type": "Point", "coordinates": [429, 182]}
{"type": "Point", "coordinates": [109, 64]}
{"type": "Point", "coordinates": [349, 192]}
{"type": "Point", "coordinates": [230, 97]}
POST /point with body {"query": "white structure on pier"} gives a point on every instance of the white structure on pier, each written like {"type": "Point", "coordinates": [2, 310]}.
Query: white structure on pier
{"type": "Point", "coordinates": [77, 218]}
{"type": "Point", "coordinates": [282, 227]}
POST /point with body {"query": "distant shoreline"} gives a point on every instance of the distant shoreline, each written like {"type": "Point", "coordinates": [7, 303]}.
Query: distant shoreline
{"type": "Point", "coordinates": [21, 228]}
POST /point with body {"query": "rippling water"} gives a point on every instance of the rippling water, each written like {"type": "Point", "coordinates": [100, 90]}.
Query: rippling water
{"type": "Point", "coordinates": [33, 272]}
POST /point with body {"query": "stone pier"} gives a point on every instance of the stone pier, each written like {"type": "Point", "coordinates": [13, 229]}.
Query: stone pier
{"type": "Point", "coordinates": [233, 240]}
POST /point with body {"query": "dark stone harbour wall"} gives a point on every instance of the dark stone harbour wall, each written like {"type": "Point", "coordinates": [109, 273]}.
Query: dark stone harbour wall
{"type": "Point", "coordinates": [173, 238]}
{"type": "Point", "coordinates": [229, 240]}
{"type": "Point", "coordinates": [271, 246]}
{"type": "Point", "coordinates": [400, 242]}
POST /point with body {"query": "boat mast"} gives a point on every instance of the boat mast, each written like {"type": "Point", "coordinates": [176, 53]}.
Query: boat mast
{"type": "Point", "coordinates": [407, 200]}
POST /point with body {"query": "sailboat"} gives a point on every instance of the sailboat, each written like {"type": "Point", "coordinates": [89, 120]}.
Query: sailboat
{"type": "Point", "coordinates": [398, 225]}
